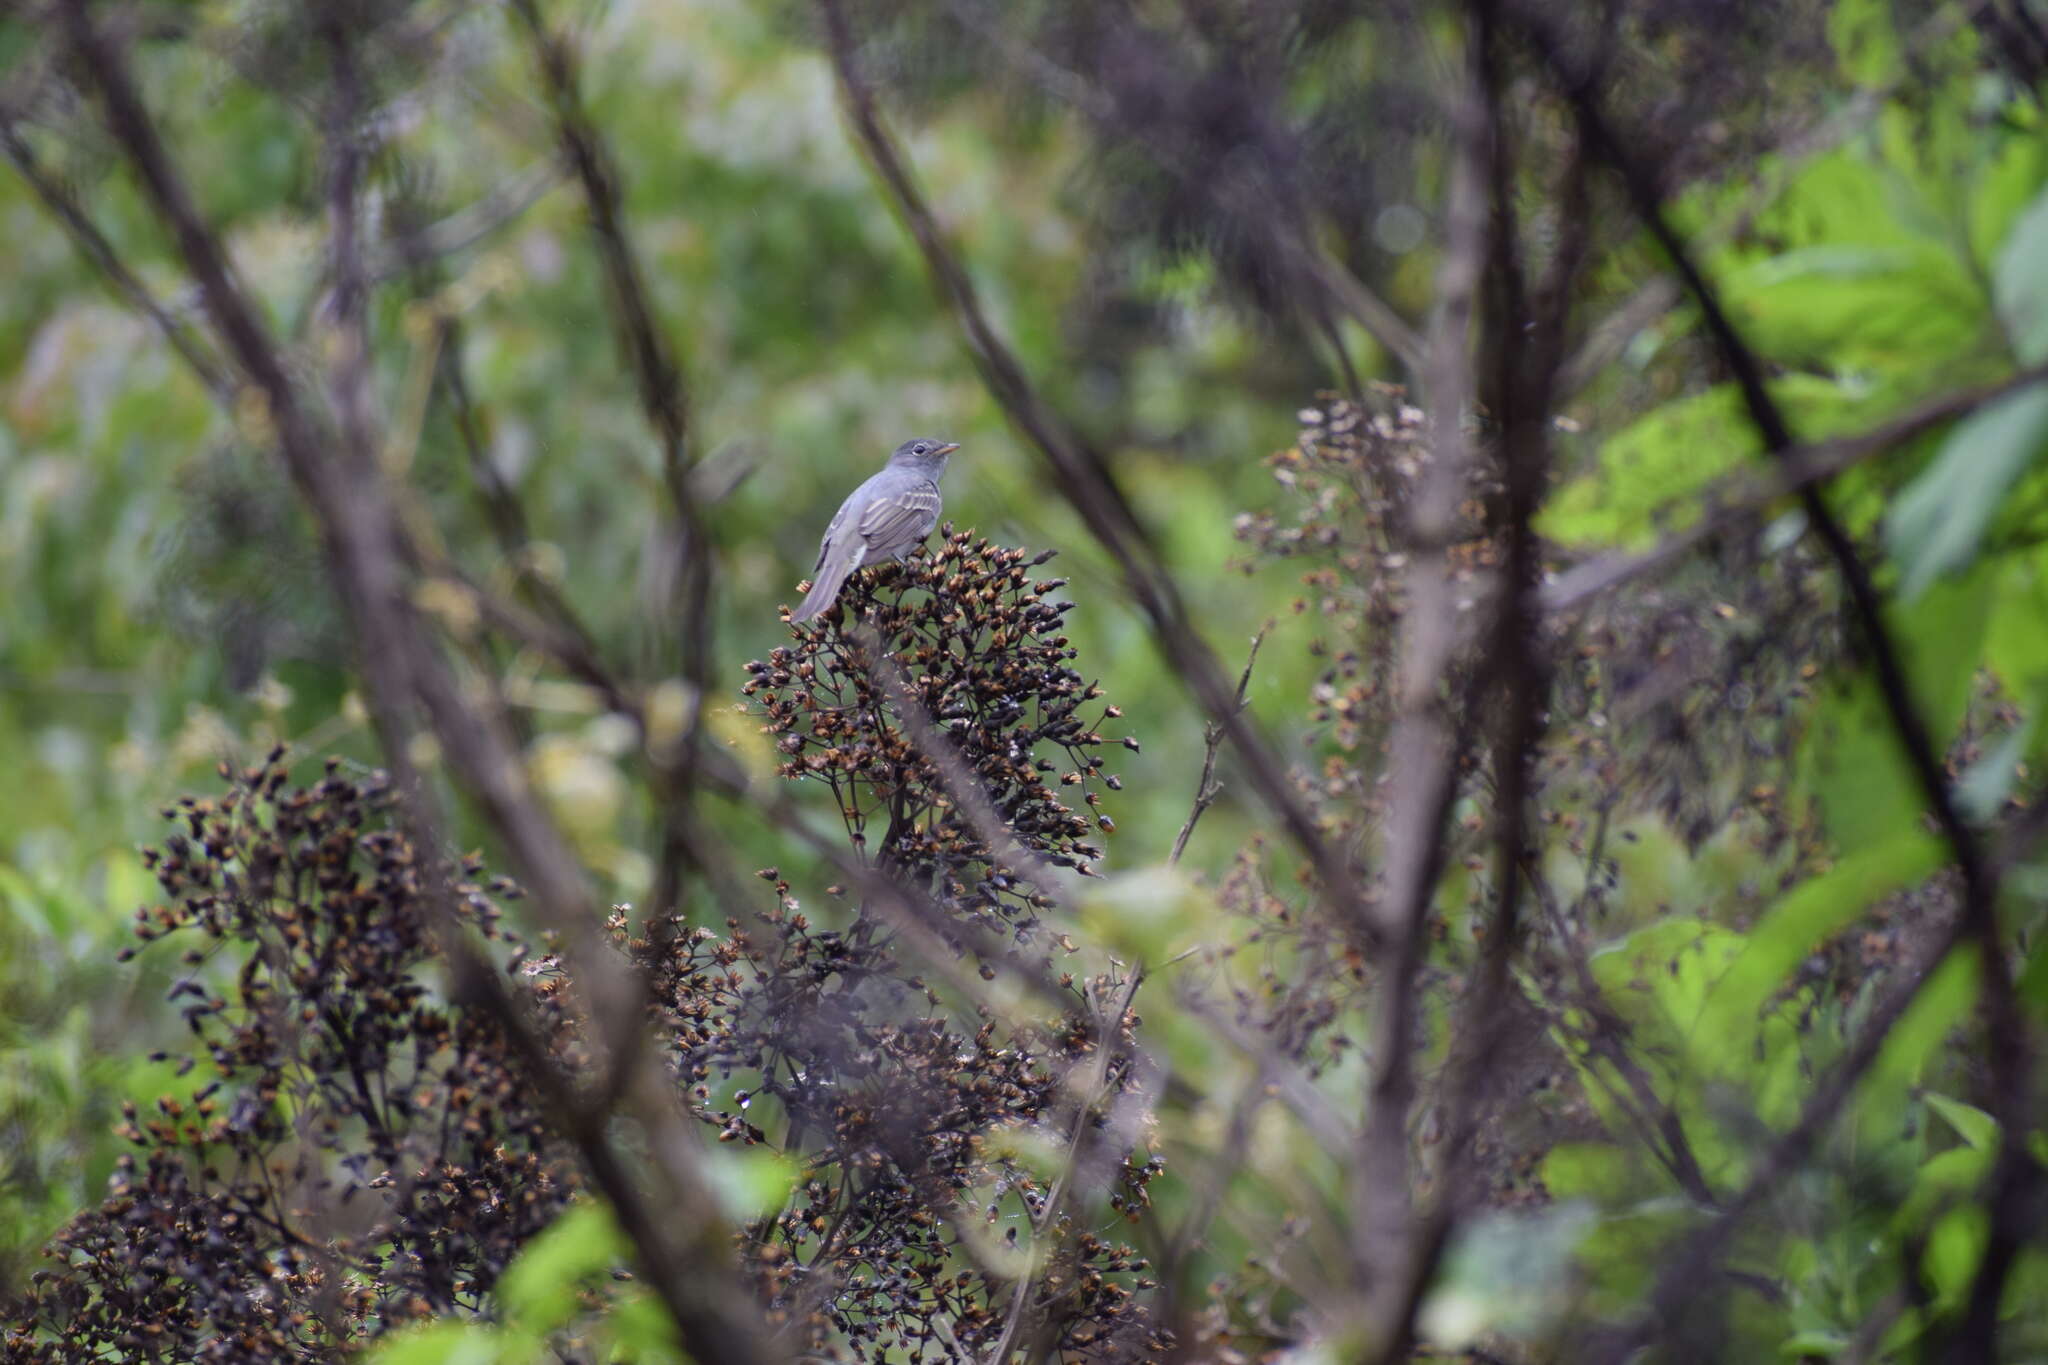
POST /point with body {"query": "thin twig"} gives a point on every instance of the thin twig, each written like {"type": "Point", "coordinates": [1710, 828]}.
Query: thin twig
{"type": "Point", "coordinates": [1086, 1098]}
{"type": "Point", "coordinates": [1084, 478]}
{"type": "Point", "coordinates": [93, 245]}
{"type": "Point", "coordinates": [659, 380]}
{"type": "Point", "coordinates": [1207, 786]}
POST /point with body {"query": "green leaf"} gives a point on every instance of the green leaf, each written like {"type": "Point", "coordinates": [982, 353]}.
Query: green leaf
{"type": "Point", "coordinates": [1940, 517]}
{"type": "Point", "coordinates": [2019, 283]}
{"type": "Point", "coordinates": [1819, 908]}
{"type": "Point", "coordinates": [2005, 189]}
{"type": "Point", "coordinates": [1944, 1001]}
{"type": "Point", "coordinates": [642, 1328]}
{"type": "Point", "coordinates": [1866, 42]}
{"type": "Point", "coordinates": [538, 1291]}
{"type": "Point", "coordinates": [2015, 646]}
{"type": "Point", "coordinates": [1954, 1247]}
{"type": "Point", "coordinates": [1855, 306]}
{"type": "Point", "coordinates": [455, 1343]}
{"type": "Point", "coordinates": [750, 1181]}
{"type": "Point", "coordinates": [1972, 1124]}
{"type": "Point", "coordinates": [1586, 1170]}
{"type": "Point", "coordinates": [1868, 793]}
{"type": "Point", "coordinates": [1648, 472]}
{"type": "Point", "coordinates": [1942, 1180]}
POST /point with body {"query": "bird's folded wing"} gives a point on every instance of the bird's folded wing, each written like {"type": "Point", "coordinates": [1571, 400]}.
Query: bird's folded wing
{"type": "Point", "coordinates": [831, 530]}
{"type": "Point", "coordinates": [895, 523]}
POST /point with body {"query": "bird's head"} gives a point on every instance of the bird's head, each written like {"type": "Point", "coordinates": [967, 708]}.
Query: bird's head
{"type": "Point", "coordinates": [927, 454]}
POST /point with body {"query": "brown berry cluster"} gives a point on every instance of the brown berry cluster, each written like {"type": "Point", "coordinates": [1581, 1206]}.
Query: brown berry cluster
{"type": "Point", "coordinates": [912, 1106]}
{"type": "Point", "coordinates": [348, 1152]}
{"type": "Point", "coordinates": [979, 648]}
{"type": "Point", "coordinates": [912, 1113]}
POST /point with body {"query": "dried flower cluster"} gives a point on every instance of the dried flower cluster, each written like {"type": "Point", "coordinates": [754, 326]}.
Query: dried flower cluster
{"type": "Point", "coordinates": [347, 1152]}
{"type": "Point", "coordinates": [351, 1153]}
{"type": "Point", "coordinates": [933, 1133]}
{"type": "Point", "coordinates": [983, 661]}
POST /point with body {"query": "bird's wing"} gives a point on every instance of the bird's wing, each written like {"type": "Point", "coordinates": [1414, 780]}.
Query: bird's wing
{"type": "Point", "coordinates": [831, 529]}
{"type": "Point", "coordinates": [893, 524]}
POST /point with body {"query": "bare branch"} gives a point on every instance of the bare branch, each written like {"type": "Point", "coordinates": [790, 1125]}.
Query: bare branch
{"type": "Point", "coordinates": [682, 1253]}
{"type": "Point", "coordinates": [1745, 496]}
{"type": "Point", "coordinates": [1084, 477]}
{"type": "Point", "coordinates": [1423, 749]}
{"type": "Point", "coordinates": [98, 252]}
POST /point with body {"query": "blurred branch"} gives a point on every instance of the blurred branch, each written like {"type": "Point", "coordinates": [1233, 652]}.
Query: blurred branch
{"type": "Point", "coordinates": [1291, 243]}
{"type": "Point", "coordinates": [99, 253]}
{"type": "Point", "coordinates": [2016, 1174]}
{"type": "Point", "coordinates": [1423, 749]}
{"type": "Point", "coordinates": [665, 401]}
{"type": "Point", "coordinates": [1741, 498]}
{"type": "Point", "coordinates": [1612, 335]}
{"type": "Point", "coordinates": [681, 1251]}
{"type": "Point", "coordinates": [1523, 346]}
{"type": "Point", "coordinates": [463, 228]}
{"type": "Point", "coordinates": [1083, 476]}
{"type": "Point", "coordinates": [1207, 787]}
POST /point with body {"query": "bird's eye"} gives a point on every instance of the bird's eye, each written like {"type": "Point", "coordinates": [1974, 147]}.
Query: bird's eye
{"type": "Point", "coordinates": [919, 449]}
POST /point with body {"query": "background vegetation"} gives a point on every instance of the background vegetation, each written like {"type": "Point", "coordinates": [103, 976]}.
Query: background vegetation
{"type": "Point", "coordinates": [1605, 916]}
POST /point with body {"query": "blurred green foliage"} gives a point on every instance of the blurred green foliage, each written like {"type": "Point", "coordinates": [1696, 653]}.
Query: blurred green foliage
{"type": "Point", "coordinates": [161, 606]}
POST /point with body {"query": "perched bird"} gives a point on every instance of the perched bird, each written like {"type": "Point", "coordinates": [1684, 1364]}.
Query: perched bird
{"type": "Point", "coordinates": [885, 518]}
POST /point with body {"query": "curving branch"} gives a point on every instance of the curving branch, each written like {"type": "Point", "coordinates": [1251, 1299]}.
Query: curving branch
{"type": "Point", "coordinates": [682, 1252]}
{"type": "Point", "coordinates": [2016, 1175]}
{"type": "Point", "coordinates": [1083, 475]}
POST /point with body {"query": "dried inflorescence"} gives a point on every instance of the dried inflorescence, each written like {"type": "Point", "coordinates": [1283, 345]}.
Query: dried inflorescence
{"type": "Point", "coordinates": [931, 1130]}
{"type": "Point", "coordinates": [930, 1134]}
{"type": "Point", "coordinates": [352, 1152]}
{"type": "Point", "coordinates": [973, 646]}
{"type": "Point", "coordinates": [349, 1152]}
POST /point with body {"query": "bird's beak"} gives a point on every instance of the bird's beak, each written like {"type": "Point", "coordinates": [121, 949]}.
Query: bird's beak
{"type": "Point", "coordinates": [947, 449]}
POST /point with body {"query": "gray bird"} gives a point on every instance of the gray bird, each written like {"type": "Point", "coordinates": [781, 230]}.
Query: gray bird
{"type": "Point", "coordinates": [885, 518]}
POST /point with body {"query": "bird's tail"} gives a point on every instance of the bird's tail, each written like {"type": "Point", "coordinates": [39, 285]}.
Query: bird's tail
{"type": "Point", "coordinates": [825, 590]}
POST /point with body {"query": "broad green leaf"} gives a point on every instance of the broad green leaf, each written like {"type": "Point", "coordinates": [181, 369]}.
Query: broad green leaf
{"type": "Point", "coordinates": [2019, 283]}
{"type": "Point", "coordinates": [1867, 792]}
{"type": "Point", "coordinates": [1819, 908]}
{"type": "Point", "coordinates": [1942, 1179]}
{"type": "Point", "coordinates": [1955, 1245]}
{"type": "Point", "coordinates": [2005, 189]}
{"type": "Point", "coordinates": [1944, 1002]}
{"type": "Point", "coordinates": [642, 1328]}
{"type": "Point", "coordinates": [2015, 645]}
{"type": "Point", "coordinates": [1586, 1170]}
{"type": "Point", "coordinates": [1853, 306]}
{"type": "Point", "coordinates": [1972, 1124]}
{"type": "Point", "coordinates": [538, 1291]}
{"type": "Point", "coordinates": [1939, 519]}
{"type": "Point", "coordinates": [1866, 42]}
{"type": "Point", "coordinates": [750, 1181]}
{"type": "Point", "coordinates": [1851, 757]}
{"type": "Point", "coordinates": [455, 1343]}
{"type": "Point", "coordinates": [1648, 472]}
